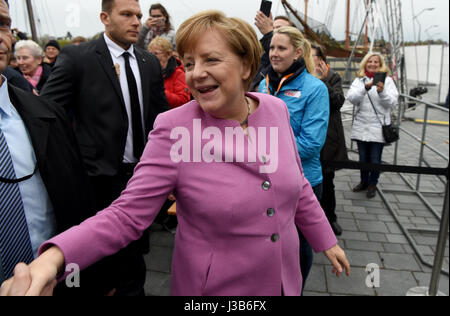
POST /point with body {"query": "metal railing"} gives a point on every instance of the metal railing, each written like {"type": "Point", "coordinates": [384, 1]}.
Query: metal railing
{"type": "Point", "coordinates": [415, 189]}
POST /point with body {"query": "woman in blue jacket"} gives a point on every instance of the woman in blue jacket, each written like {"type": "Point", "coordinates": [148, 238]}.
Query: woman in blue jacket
{"type": "Point", "coordinates": [307, 99]}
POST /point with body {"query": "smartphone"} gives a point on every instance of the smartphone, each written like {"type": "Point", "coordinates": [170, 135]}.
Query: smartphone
{"type": "Point", "coordinates": [266, 7]}
{"type": "Point", "coordinates": [379, 77]}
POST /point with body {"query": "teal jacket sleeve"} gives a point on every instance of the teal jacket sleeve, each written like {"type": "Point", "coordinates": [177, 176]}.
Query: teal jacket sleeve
{"type": "Point", "coordinates": [313, 132]}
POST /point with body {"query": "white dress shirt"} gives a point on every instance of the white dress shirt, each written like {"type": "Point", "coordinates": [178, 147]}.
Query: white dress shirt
{"type": "Point", "coordinates": [116, 54]}
{"type": "Point", "coordinates": [36, 202]}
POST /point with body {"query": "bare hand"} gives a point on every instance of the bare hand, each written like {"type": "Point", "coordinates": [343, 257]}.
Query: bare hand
{"type": "Point", "coordinates": [152, 22]}
{"type": "Point", "coordinates": [36, 279]}
{"type": "Point", "coordinates": [369, 85]}
{"type": "Point", "coordinates": [338, 259]}
{"type": "Point", "coordinates": [264, 23]}
{"type": "Point", "coordinates": [380, 87]}
{"type": "Point", "coordinates": [323, 69]}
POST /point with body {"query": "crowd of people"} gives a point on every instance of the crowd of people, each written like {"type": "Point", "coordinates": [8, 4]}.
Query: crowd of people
{"type": "Point", "coordinates": [95, 137]}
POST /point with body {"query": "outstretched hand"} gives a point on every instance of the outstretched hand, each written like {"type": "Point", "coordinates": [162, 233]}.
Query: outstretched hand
{"type": "Point", "coordinates": [36, 279]}
{"type": "Point", "coordinates": [339, 260]}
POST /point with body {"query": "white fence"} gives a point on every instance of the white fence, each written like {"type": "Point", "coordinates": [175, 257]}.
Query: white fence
{"type": "Point", "coordinates": [431, 66]}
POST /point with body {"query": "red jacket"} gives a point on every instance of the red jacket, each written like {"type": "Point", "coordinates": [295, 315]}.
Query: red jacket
{"type": "Point", "coordinates": [177, 91]}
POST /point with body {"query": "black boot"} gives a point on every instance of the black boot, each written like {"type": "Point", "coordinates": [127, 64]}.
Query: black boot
{"type": "Point", "coordinates": [360, 187]}
{"type": "Point", "coordinates": [372, 191]}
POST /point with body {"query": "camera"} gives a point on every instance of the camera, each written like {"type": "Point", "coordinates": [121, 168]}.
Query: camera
{"type": "Point", "coordinates": [417, 93]}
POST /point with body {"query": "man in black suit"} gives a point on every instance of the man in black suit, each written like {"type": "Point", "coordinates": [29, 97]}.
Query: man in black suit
{"type": "Point", "coordinates": [114, 92]}
{"type": "Point", "coordinates": [40, 161]}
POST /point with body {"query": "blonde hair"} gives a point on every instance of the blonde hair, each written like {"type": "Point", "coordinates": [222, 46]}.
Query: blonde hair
{"type": "Point", "coordinates": [299, 41]}
{"type": "Point", "coordinates": [383, 67]}
{"type": "Point", "coordinates": [163, 43]}
{"type": "Point", "coordinates": [239, 35]}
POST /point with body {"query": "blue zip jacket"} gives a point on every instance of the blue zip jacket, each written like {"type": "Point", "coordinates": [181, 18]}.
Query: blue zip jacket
{"type": "Point", "coordinates": [308, 102]}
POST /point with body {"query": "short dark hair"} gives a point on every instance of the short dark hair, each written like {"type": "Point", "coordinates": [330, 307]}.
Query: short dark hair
{"type": "Point", "coordinates": [159, 6]}
{"type": "Point", "coordinates": [107, 5]}
{"type": "Point", "coordinates": [283, 17]}
{"type": "Point", "coordinates": [321, 52]}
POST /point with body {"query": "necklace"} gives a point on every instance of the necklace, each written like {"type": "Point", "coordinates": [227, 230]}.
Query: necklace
{"type": "Point", "coordinates": [245, 122]}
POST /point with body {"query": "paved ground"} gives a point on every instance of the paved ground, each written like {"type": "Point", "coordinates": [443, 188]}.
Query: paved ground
{"type": "Point", "coordinates": [372, 234]}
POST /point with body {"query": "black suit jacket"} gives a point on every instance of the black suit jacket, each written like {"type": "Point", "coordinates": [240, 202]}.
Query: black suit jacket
{"type": "Point", "coordinates": [64, 176]}
{"type": "Point", "coordinates": [58, 157]}
{"type": "Point", "coordinates": [85, 81]}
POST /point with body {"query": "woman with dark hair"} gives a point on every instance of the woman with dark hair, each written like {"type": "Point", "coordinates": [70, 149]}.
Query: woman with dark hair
{"type": "Point", "coordinates": [334, 149]}
{"type": "Point", "coordinates": [158, 24]}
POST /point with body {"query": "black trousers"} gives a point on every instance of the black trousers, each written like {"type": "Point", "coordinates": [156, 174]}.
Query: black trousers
{"type": "Point", "coordinates": [128, 269]}
{"type": "Point", "coordinates": [328, 201]}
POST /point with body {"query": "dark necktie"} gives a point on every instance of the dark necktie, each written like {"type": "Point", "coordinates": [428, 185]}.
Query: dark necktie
{"type": "Point", "coordinates": [136, 118]}
{"type": "Point", "coordinates": [15, 244]}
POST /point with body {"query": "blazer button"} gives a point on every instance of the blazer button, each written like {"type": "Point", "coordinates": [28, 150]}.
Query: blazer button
{"type": "Point", "coordinates": [266, 185]}
{"type": "Point", "coordinates": [270, 212]}
{"type": "Point", "coordinates": [275, 238]}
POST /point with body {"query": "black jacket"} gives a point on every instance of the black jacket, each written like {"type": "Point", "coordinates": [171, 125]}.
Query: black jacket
{"type": "Point", "coordinates": [16, 79]}
{"type": "Point", "coordinates": [63, 173]}
{"type": "Point", "coordinates": [85, 82]}
{"type": "Point", "coordinates": [58, 157]}
{"type": "Point", "coordinates": [46, 72]}
{"type": "Point", "coordinates": [334, 148]}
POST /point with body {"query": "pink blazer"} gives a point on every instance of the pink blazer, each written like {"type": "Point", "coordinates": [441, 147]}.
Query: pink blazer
{"type": "Point", "coordinates": [237, 225]}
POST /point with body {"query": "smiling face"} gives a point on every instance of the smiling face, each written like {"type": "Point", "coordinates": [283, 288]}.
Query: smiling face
{"type": "Point", "coordinates": [373, 64]}
{"type": "Point", "coordinates": [6, 37]}
{"type": "Point", "coordinates": [51, 52]}
{"type": "Point", "coordinates": [215, 75]}
{"type": "Point", "coordinates": [123, 23]}
{"type": "Point", "coordinates": [28, 64]}
{"type": "Point", "coordinates": [282, 53]}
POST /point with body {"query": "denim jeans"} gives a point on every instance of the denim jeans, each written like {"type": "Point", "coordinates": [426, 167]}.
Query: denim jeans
{"type": "Point", "coordinates": [306, 252]}
{"type": "Point", "coordinates": [370, 153]}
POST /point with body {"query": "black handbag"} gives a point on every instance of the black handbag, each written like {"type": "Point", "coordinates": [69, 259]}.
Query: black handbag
{"type": "Point", "coordinates": [391, 133]}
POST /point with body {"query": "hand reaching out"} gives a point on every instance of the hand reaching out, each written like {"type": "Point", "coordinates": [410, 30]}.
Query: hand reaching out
{"type": "Point", "coordinates": [36, 279]}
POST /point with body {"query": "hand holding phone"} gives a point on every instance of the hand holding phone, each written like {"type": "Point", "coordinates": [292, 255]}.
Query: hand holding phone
{"type": "Point", "coordinates": [379, 77]}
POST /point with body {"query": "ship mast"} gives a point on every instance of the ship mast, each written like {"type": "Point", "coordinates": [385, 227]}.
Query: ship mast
{"type": "Point", "coordinates": [31, 19]}
{"type": "Point", "coordinates": [306, 11]}
{"type": "Point", "coordinates": [347, 31]}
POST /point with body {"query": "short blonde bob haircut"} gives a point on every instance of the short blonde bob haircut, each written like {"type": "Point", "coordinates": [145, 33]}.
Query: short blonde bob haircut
{"type": "Point", "coordinates": [383, 67]}
{"type": "Point", "coordinates": [298, 40]}
{"type": "Point", "coordinates": [164, 44]}
{"type": "Point", "coordinates": [239, 35]}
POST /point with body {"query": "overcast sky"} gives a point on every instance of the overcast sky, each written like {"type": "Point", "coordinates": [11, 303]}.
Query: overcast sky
{"type": "Point", "coordinates": [81, 17]}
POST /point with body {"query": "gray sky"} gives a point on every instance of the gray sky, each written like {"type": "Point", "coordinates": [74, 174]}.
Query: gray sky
{"type": "Point", "coordinates": [81, 17]}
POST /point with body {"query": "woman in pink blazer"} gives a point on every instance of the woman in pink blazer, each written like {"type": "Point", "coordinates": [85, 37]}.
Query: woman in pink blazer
{"type": "Point", "coordinates": [231, 160]}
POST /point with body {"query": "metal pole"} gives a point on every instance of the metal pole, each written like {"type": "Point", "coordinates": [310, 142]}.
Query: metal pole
{"type": "Point", "coordinates": [428, 64]}
{"type": "Point", "coordinates": [442, 72]}
{"type": "Point", "coordinates": [422, 146]}
{"type": "Point", "coordinates": [32, 22]}
{"type": "Point", "coordinates": [415, 46]}
{"type": "Point", "coordinates": [347, 75]}
{"type": "Point", "coordinates": [440, 249]}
